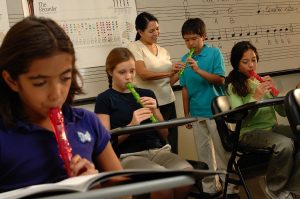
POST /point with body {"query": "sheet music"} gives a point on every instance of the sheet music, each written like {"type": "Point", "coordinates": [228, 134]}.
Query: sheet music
{"type": "Point", "coordinates": [273, 26]}
{"type": "Point", "coordinates": [95, 27]}
{"type": "Point", "coordinates": [4, 25]}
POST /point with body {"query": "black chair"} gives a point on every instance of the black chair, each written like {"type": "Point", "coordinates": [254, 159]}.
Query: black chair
{"type": "Point", "coordinates": [292, 107]}
{"type": "Point", "coordinates": [242, 157]}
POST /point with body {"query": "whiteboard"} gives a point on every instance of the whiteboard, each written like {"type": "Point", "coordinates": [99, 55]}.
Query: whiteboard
{"type": "Point", "coordinates": [95, 27]}
{"type": "Point", "coordinates": [4, 25]}
{"type": "Point", "coordinates": [273, 26]}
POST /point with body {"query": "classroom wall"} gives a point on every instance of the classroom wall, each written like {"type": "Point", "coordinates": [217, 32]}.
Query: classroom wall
{"type": "Point", "coordinates": [4, 24]}
{"type": "Point", "coordinates": [273, 27]}
{"type": "Point", "coordinates": [289, 40]}
{"type": "Point", "coordinates": [275, 34]}
{"type": "Point", "coordinates": [186, 139]}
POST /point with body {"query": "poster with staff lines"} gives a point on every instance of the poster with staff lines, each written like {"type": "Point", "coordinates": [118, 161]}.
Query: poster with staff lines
{"type": "Point", "coordinates": [273, 26]}
{"type": "Point", "coordinates": [95, 27]}
{"type": "Point", "coordinates": [4, 25]}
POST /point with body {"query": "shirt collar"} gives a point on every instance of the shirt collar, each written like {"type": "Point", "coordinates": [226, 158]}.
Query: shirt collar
{"type": "Point", "coordinates": [70, 116]}
{"type": "Point", "coordinates": [204, 51]}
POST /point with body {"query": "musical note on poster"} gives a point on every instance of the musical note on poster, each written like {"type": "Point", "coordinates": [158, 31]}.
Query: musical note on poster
{"type": "Point", "coordinates": [272, 26]}
{"type": "Point", "coordinates": [96, 27]}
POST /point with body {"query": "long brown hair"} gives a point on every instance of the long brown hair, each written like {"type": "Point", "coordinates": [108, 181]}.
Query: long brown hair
{"type": "Point", "coordinates": [31, 38]}
{"type": "Point", "coordinates": [116, 56]}
{"type": "Point", "coordinates": [235, 77]}
{"type": "Point", "coordinates": [142, 21]}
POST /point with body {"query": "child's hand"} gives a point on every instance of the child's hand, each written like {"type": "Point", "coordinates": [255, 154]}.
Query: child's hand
{"type": "Point", "coordinates": [193, 64]}
{"type": "Point", "coordinates": [81, 166]}
{"type": "Point", "coordinates": [189, 126]}
{"type": "Point", "coordinates": [261, 90]}
{"type": "Point", "coordinates": [140, 115]}
{"type": "Point", "coordinates": [149, 108]}
{"type": "Point", "coordinates": [149, 102]}
{"type": "Point", "coordinates": [268, 79]}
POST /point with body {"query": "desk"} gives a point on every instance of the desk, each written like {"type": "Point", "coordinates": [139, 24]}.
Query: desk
{"type": "Point", "coordinates": [130, 189]}
{"type": "Point", "coordinates": [148, 181]}
{"type": "Point", "coordinates": [156, 125]}
{"type": "Point", "coordinates": [251, 105]}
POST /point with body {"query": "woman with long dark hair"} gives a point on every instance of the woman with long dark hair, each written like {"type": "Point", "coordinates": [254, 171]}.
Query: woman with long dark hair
{"type": "Point", "coordinates": [155, 70]}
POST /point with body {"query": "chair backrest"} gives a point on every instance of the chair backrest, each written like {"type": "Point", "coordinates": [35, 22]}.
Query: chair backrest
{"type": "Point", "coordinates": [292, 107]}
{"type": "Point", "coordinates": [229, 125]}
{"type": "Point", "coordinates": [221, 104]}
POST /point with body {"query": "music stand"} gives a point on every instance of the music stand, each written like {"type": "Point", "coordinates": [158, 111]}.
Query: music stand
{"type": "Point", "coordinates": [249, 106]}
{"type": "Point", "coordinates": [157, 125]}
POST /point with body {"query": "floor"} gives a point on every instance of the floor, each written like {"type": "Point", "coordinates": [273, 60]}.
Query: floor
{"type": "Point", "coordinates": [255, 184]}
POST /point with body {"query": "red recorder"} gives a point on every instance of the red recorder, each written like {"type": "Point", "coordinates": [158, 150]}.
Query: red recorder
{"type": "Point", "coordinates": [65, 151]}
{"type": "Point", "coordinates": [274, 91]}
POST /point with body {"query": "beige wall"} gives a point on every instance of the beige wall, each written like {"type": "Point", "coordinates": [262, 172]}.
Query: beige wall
{"type": "Point", "coordinates": [186, 139]}
{"type": "Point", "coordinates": [186, 145]}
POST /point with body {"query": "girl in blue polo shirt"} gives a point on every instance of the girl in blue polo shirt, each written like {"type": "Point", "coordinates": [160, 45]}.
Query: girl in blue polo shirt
{"type": "Point", "coordinates": [37, 65]}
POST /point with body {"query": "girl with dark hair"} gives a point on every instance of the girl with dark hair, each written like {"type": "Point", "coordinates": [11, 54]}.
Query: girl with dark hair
{"type": "Point", "coordinates": [260, 129]}
{"type": "Point", "coordinates": [235, 77]}
{"type": "Point", "coordinates": [38, 73]}
{"type": "Point", "coordinates": [116, 107]}
{"type": "Point", "coordinates": [155, 70]}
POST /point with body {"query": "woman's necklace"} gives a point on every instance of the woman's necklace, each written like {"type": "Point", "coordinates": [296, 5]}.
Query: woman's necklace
{"type": "Point", "coordinates": [151, 47]}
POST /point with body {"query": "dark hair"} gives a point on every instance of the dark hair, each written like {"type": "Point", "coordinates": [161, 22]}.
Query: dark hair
{"type": "Point", "coordinates": [30, 39]}
{"type": "Point", "coordinates": [193, 26]}
{"type": "Point", "coordinates": [235, 77]}
{"type": "Point", "coordinates": [141, 22]}
{"type": "Point", "coordinates": [115, 57]}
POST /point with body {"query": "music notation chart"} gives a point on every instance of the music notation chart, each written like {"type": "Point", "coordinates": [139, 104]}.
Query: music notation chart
{"type": "Point", "coordinates": [4, 25]}
{"type": "Point", "coordinates": [273, 26]}
{"type": "Point", "coordinates": [95, 27]}
{"type": "Point", "coordinates": [93, 32]}
{"type": "Point", "coordinates": [121, 3]}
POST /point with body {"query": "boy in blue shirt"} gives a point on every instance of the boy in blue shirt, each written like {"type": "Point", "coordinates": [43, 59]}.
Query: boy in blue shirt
{"type": "Point", "coordinates": [202, 81]}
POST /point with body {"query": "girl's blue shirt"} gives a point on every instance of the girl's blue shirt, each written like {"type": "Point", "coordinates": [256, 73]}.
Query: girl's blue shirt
{"type": "Point", "coordinates": [29, 154]}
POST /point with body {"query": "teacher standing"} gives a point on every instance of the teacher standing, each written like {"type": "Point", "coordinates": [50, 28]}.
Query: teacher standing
{"type": "Point", "coordinates": [155, 70]}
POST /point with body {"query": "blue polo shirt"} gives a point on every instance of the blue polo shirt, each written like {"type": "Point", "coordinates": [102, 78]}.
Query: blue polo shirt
{"type": "Point", "coordinates": [200, 91]}
{"type": "Point", "coordinates": [29, 154]}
